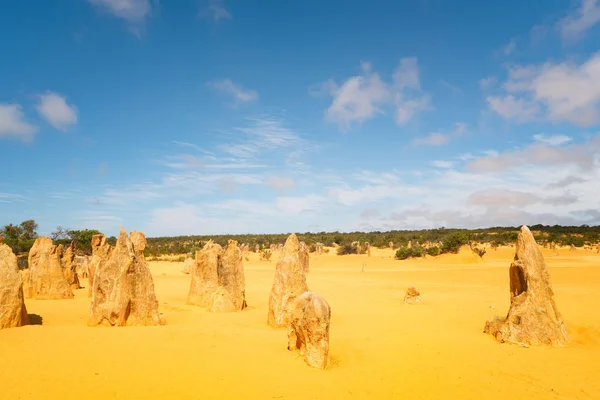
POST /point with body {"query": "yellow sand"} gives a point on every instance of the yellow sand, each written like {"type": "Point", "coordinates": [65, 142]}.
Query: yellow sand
{"type": "Point", "coordinates": [380, 348]}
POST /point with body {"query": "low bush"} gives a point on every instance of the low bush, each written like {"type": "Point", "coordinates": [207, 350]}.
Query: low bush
{"type": "Point", "coordinates": [433, 251]}
{"type": "Point", "coordinates": [409, 252]}
{"type": "Point", "coordinates": [345, 249]}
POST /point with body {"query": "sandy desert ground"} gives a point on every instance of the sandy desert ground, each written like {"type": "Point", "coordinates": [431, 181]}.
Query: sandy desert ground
{"type": "Point", "coordinates": [380, 348]}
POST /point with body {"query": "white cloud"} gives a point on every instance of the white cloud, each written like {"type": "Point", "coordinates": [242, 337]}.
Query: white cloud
{"type": "Point", "coordinates": [229, 88]}
{"type": "Point", "coordinates": [363, 97]}
{"type": "Point", "coordinates": [54, 109]}
{"type": "Point", "coordinates": [582, 156]}
{"type": "Point", "coordinates": [13, 123]}
{"type": "Point", "coordinates": [133, 11]}
{"type": "Point", "coordinates": [406, 75]}
{"type": "Point", "coordinates": [216, 11]}
{"type": "Point", "coordinates": [576, 24]}
{"type": "Point", "coordinates": [511, 107]}
{"type": "Point", "coordinates": [280, 183]}
{"type": "Point", "coordinates": [556, 92]}
{"type": "Point", "coordinates": [552, 140]}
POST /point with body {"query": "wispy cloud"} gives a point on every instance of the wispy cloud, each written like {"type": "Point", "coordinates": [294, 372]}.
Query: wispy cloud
{"type": "Point", "coordinates": [263, 134]}
{"type": "Point", "coordinates": [508, 48]}
{"type": "Point", "coordinates": [134, 12]}
{"type": "Point", "coordinates": [13, 123]}
{"type": "Point", "coordinates": [233, 90]}
{"type": "Point", "coordinates": [365, 96]}
{"type": "Point", "coordinates": [552, 140]}
{"type": "Point", "coordinates": [575, 25]}
{"type": "Point", "coordinates": [453, 88]}
{"type": "Point", "coordinates": [54, 109]}
{"type": "Point", "coordinates": [438, 139]}
{"type": "Point", "coordinates": [216, 11]}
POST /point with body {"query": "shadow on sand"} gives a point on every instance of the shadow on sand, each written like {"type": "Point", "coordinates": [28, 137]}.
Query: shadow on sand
{"type": "Point", "coordinates": [35, 319]}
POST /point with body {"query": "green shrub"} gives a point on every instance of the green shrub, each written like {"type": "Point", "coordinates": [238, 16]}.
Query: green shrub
{"type": "Point", "coordinates": [433, 251]}
{"type": "Point", "coordinates": [453, 242]}
{"type": "Point", "coordinates": [409, 252]}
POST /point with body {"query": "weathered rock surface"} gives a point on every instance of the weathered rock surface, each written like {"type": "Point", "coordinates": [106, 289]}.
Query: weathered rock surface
{"type": "Point", "coordinates": [304, 257]}
{"type": "Point", "coordinates": [533, 318]}
{"type": "Point", "coordinates": [308, 330]}
{"type": "Point", "coordinates": [123, 289]}
{"type": "Point", "coordinates": [205, 279]}
{"type": "Point", "coordinates": [289, 283]}
{"type": "Point", "coordinates": [218, 278]}
{"type": "Point", "coordinates": [101, 251]}
{"type": "Point", "coordinates": [82, 266]}
{"type": "Point", "coordinates": [12, 306]}
{"type": "Point", "coordinates": [231, 275]}
{"type": "Point", "coordinates": [46, 279]}
{"type": "Point", "coordinates": [69, 267]}
{"type": "Point", "coordinates": [412, 296]}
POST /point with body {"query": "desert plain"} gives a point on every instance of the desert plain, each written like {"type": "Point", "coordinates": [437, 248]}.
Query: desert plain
{"type": "Point", "coordinates": [380, 348]}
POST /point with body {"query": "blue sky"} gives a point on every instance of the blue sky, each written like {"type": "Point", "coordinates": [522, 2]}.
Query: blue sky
{"type": "Point", "coordinates": [232, 116]}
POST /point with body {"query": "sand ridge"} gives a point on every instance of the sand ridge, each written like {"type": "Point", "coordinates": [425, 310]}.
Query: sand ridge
{"type": "Point", "coordinates": [380, 348]}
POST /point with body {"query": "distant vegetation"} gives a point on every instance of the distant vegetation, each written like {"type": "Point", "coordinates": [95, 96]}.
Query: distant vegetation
{"type": "Point", "coordinates": [21, 237]}
{"type": "Point", "coordinates": [441, 240]}
{"type": "Point", "coordinates": [429, 242]}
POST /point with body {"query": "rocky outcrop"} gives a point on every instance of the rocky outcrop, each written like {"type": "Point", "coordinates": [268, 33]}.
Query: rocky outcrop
{"type": "Point", "coordinates": [46, 279]}
{"type": "Point", "coordinates": [289, 283]}
{"type": "Point", "coordinates": [123, 289]}
{"type": "Point", "coordinates": [533, 318]}
{"type": "Point", "coordinates": [218, 278]}
{"type": "Point", "coordinates": [67, 262]}
{"type": "Point", "coordinates": [412, 296]}
{"type": "Point", "coordinates": [12, 306]}
{"type": "Point", "coordinates": [308, 330]}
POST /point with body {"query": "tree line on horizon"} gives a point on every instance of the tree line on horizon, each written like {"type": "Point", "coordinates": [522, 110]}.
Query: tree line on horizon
{"type": "Point", "coordinates": [21, 238]}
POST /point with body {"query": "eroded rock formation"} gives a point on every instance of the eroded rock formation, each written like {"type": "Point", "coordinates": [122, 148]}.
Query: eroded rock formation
{"type": "Point", "coordinates": [101, 251]}
{"type": "Point", "coordinates": [308, 330]}
{"type": "Point", "coordinates": [188, 264]}
{"type": "Point", "coordinates": [67, 261]}
{"type": "Point", "coordinates": [533, 318]}
{"type": "Point", "coordinates": [12, 306]}
{"type": "Point", "coordinates": [45, 278]}
{"type": "Point", "coordinates": [412, 296]}
{"type": "Point", "coordinates": [289, 283]}
{"type": "Point", "coordinates": [82, 265]}
{"type": "Point", "coordinates": [205, 279]}
{"type": "Point", "coordinates": [231, 275]}
{"type": "Point", "coordinates": [304, 257]}
{"type": "Point", "coordinates": [123, 289]}
{"type": "Point", "coordinates": [218, 281]}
